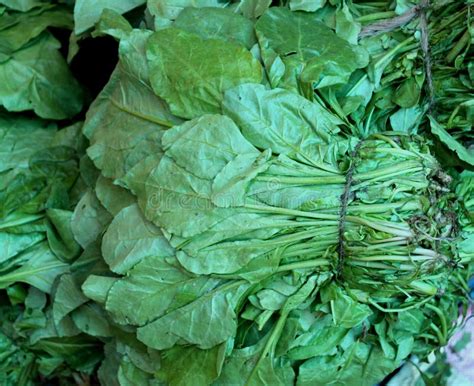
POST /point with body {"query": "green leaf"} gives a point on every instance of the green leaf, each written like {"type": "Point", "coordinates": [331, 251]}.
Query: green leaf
{"type": "Point", "coordinates": [463, 153]}
{"type": "Point", "coordinates": [166, 11]}
{"type": "Point", "coordinates": [155, 286]}
{"type": "Point", "coordinates": [408, 93]}
{"type": "Point", "coordinates": [39, 268]}
{"type": "Point", "coordinates": [181, 366]}
{"type": "Point", "coordinates": [406, 120]}
{"type": "Point", "coordinates": [346, 27]}
{"type": "Point", "coordinates": [239, 366]}
{"type": "Point", "coordinates": [130, 238]}
{"type": "Point", "coordinates": [80, 352]}
{"type": "Point", "coordinates": [131, 375]}
{"type": "Point", "coordinates": [21, 137]}
{"type": "Point", "coordinates": [252, 9]}
{"type": "Point", "coordinates": [14, 244]}
{"type": "Point", "coordinates": [92, 320]}
{"type": "Point", "coordinates": [217, 23]}
{"type": "Point", "coordinates": [348, 313]}
{"type": "Point", "coordinates": [283, 121]}
{"type": "Point", "coordinates": [322, 339]}
{"type": "Point", "coordinates": [367, 367]}
{"type": "Point", "coordinates": [205, 322]}
{"type": "Point", "coordinates": [218, 138]}
{"type": "Point", "coordinates": [125, 122]}
{"type": "Point", "coordinates": [112, 197]}
{"type": "Point", "coordinates": [89, 219]}
{"type": "Point", "coordinates": [311, 51]}
{"type": "Point", "coordinates": [192, 74]}
{"type": "Point", "coordinates": [88, 12]}
{"type": "Point", "coordinates": [97, 287]}
{"type": "Point", "coordinates": [67, 297]}
{"type": "Point", "coordinates": [22, 5]}
{"type": "Point", "coordinates": [113, 24]}
{"type": "Point", "coordinates": [410, 321]}
{"type": "Point", "coordinates": [17, 29]}
{"type": "Point", "coordinates": [37, 78]}
{"type": "Point", "coordinates": [44, 184]}
{"type": "Point", "coordinates": [60, 237]}
{"type": "Point", "coordinates": [183, 182]}
{"type": "Point", "coordinates": [307, 5]}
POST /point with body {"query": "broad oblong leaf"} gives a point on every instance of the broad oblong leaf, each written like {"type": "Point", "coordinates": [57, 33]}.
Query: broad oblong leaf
{"type": "Point", "coordinates": [130, 238]}
{"type": "Point", "coordinates": [166, 11]}
{"type": "Point", "coordinates": [215, 312]}
{"type": "Point", "coordinates": [181, 366]}
{"type": "Point", "coordinates": [308, 48]}
{"type": "Point", "coordinates": [463, 153]}
{"type": "Point", "coordinates": [192, 73]}
{"type": "Point", "coordinates": [155, 286]}
{"type": "Point", "coordinates": [217, 23]}
{"type": "Point", "coordinates": [87, 12]}
{"type": "Point", "coordinates": [36, 77]}
{"type": "Point", "coordinates": [125, 122]}
{"type": "Point", "coordinates": [284, 122]}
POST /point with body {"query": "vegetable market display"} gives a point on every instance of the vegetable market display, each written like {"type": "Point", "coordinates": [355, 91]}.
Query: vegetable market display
{"type": "Point", "coordinates": [263, 193]}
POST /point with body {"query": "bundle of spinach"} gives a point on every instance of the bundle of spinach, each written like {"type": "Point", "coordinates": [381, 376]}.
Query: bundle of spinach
{"type": "Point", "coordinates": [262, 202]}
{"type": "Point", "coordinates": [266, 241]}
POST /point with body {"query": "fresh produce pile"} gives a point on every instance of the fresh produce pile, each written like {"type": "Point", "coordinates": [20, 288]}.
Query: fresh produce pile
{"type": "Point", "coordinates": [263, 193]}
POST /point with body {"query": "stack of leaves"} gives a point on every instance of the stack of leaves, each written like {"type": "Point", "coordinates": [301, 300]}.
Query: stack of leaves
{"type": "Point", "coordinates": [39, 188]}
{"type": "Point", "coordinates": [264, 243]}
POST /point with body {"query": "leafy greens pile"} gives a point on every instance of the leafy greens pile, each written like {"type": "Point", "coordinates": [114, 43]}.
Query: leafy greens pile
{"type": "Point", "coordinates": [265, 194]}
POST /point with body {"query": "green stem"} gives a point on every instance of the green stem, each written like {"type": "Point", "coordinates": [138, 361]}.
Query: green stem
{"type": "Point", "coordinates": [303, 265]}
{"type": "Point", "coordinates": [401, 168]}
{"type": "Point", "coordinates": [370, 264]}
{"type": "Point", "coordinates": [387, 172]}
{"type": "Point", "coordinates": [310, 246]}
{"type": "Point", "coordinates": [380, 246]}
{"type": "Point", "coordinates": [389, 310]}
{"type": "Point", "coordinates": [458, 47]}
{"type": "Point", "coordinates": [440, 336]}
{"type": "Point", "coordinates": [291, 212]}
{"type": "Point", "coordinates": [444, 325]}
{"type": "Point", "coordinates": [386, 139]}
{"type": "Point", "coordinates": [376, 16]}
{"type": "Point", "coordinates": [323, 180]}
{"type": "Point", "coordinates": [393, 229]}
{"type": "Point", "coordinates": [428, 336]}
{"type": "Point", "coordinates": [423, 287]}
{"type": "Point", "coordinates": [462, 282]}
{"type": "Point", "coordinates": [269, 344]}
{"type": "Point", "coordinates": [392, 258]}
{"type": "Point", "coordinates": [381, 208]}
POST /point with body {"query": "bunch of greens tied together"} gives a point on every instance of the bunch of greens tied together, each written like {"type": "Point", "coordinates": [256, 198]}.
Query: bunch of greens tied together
{"type": "Point", "coordinates": [261, 201]}
{"type": "Point", "coordinates": [263, 243]}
